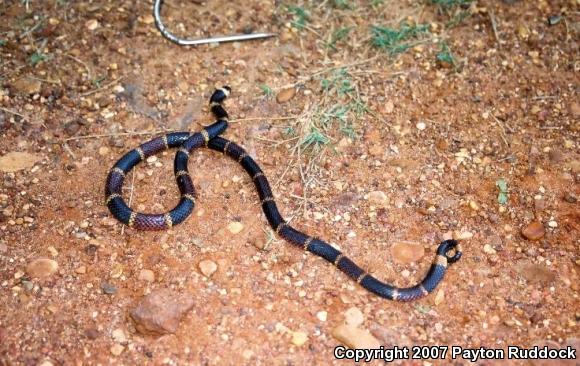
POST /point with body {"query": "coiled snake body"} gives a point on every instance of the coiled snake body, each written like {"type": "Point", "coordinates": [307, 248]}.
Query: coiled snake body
{"type": "Point", "coordinates": [209, 137]}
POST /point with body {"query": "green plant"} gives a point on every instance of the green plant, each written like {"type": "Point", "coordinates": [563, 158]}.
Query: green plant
{"type": "Point", "coordinates": [337, 36]}
{"type": "Point", "coordinates": [301, 16]}
{"type": "Point", "coordinates": [502, 196]}
{"type": "Point", "coordinates": [342, 4]}
{"type": "Point", "coordinates": [98, 80]}
{"type": "Point", "coordinates": [266, 90]}
{"type": "Point", "coordinates": [446, 4]}
{"type": "Point", "coordinates": [37, 57]}
{"type": "Point", "coordinates": [396, 40]}
{"type": "Point", "coordinates": [315, 138]}
{"type": "Point", "coordinates": [444, 55]}
{"type": "Point", "coordinates": [339, 81]}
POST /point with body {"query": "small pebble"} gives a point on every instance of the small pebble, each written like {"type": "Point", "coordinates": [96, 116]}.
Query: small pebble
{"type": "Point", "coordinates": [439, 297]}
{"type": "Point", "coordinates": [473, 205]}
{"type": "Point", "coordinates": [103, 150]}
{"type": "Point", "coordinates": [119, 336]}
{"type": "Point", "coordinates": [91, 333]}
{"type": "Point", "coordinates": [353, 317]}
{"type": "Point", "coordinates": [378, 198]}
{"type": "Point", "coordinates": [161, 311]}
{"type": "Point", "coordinates": [117, 349]}
{"type": "Point", "coordinates": [462, 235]}
{"type": "Point", "coordinates": [407, 252]}
{"type": "Point", "coordinates": [322, 315]}
{"type": "Point", "coordinates": [92, 24]}
{"type": "Point", "coordinates": [299, 338]}
{"type": "Point", "coordinates": [146, 275]}
{"type": "Point", "coordinates": [421, 126]}
{"type": "Point", "coordinates": [108, 288]}
{"type": "Point", "coordinates": [40, 268]}
{"type": "Point", "coordinates": [208, 267]}
{"type": "Point", "coordinates": [285, 95]}
{"type": "Point", "coordinates": [247, 354]}
{"type": "Point", "coordinates": [534, 231]}
{"type": "Point", "coordinates": [570, 198]}
{"type": "Point", "coordinates": [488, 249]}
{"type": "Point", "coordinates": [554, 19]}
{"type": "Point", "coordinates": [235, 227]}
{"type": "Point", "coordinates": [354, 337]}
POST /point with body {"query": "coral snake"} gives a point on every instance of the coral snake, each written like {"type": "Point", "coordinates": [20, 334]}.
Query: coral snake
{"type": "Point", "coordinates": [448, 252]}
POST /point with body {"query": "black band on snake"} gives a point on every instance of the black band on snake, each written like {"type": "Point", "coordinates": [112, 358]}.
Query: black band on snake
{"type": "Point", "coordinates": [448, 252]}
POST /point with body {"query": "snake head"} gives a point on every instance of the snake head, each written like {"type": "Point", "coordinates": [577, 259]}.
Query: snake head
{"type": "Point", "coordinates": [450, 246]}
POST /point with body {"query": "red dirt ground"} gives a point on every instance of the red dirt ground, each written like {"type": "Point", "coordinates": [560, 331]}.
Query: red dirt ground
{"type": "Point", "coordinates": [435, 141]}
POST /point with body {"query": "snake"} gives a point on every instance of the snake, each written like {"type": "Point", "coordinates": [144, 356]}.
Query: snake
{"type": "Point", "coordinates": [447, 253]}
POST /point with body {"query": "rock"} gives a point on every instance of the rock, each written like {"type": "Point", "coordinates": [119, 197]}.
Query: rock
{"type": "Point", "coordinates": [462, 235]}
{"type": "Point", "coordinates": [15, 161]}
{"type": "Point", "coordinates": [160, 312]}
{"type": "Point", "coordinates": [388, 107]}
{"type": "Point", "coordinates": [488, 249]}
{"type": "Point", "coordinates": [72, 127]}
{"type": "Point", "coordinates": [439, 297]}
{"type": "Point", "coordinates": [92, 24]}
{"type": "Point", "coordinates": [119, 336]}
{"type": "Point", "coordinates": [299, 338]}
{"type": "Point", "coordinates": [353, 317]}
{"type": "Point", "coordinates": [378, 198]}
{"type": "Point", "coordinates": [322, 315]}
{"type": "Point", "coordinates": [42, 267]}
{"type": "Point", "coordinates": [575, 109]}
{"type": "Point", "coordinates": [523, 32]}
{"type": "Point", "coordinates": [103, 150]}
{"type": "Point", "coordinates": [376, 150]}
{"type": "Point", "coordinates": [117, 349]}
{"type": "Point", "coordinates": [235, 227]}
{"type": "Point", "coordinates": [207, 267]}
{"type": "Point", "coordinates": [92, 333]}
{"type": "Point", "coordinates": [421, 126]}
{"type": "Point", "coordinates": [354, 337]}
{"type": "Point", "coordinates": [534, 231]}
{"type": "Point", "coordinates": [536, 273]}
{"type": "Point", "coordinates": [108, 288]}
{"type": "Point", "coordinates": [555, 156]}
{"type": "Point", "coordinates": [146, 275]}
{"type": "Point", "coordinates": [81, 270]}
{"type": "Point", "coordinates": [247, 354]}
{"type": "Point", "coordinates": [570, 198]}
{"type": "Point", "coordinates": [285, 95]}
{"type": "Point", "coordinates": [406, 252]}
{"type": "Point", "coordinates": [27, 86]}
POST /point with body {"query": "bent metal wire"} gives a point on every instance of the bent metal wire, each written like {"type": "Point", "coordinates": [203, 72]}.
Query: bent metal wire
{"type": "Point", "coordinates": [448, 251]}
{"type": "Point", "coordinates": [195, 42]}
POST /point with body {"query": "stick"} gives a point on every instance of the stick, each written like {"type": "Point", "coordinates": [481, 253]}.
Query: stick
{"type": "Point", "coordinates": [115, 134]}
{"type": "Point", "coordinates": [494, 27]}
{"type": "Point", "coordinates": [263, 118]}
{"type": "Point", "coordinates": [503, 134]}
{"type": "Point", "coordinates": [90, 92]}
{"type": "Point", "coordinates": [82, 63]}
{"type": "Point", "coordinates": [15, 113]}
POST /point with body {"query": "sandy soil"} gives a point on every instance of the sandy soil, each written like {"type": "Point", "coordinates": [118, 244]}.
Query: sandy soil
{"type": "Point", "coordinates": [82, 82]}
